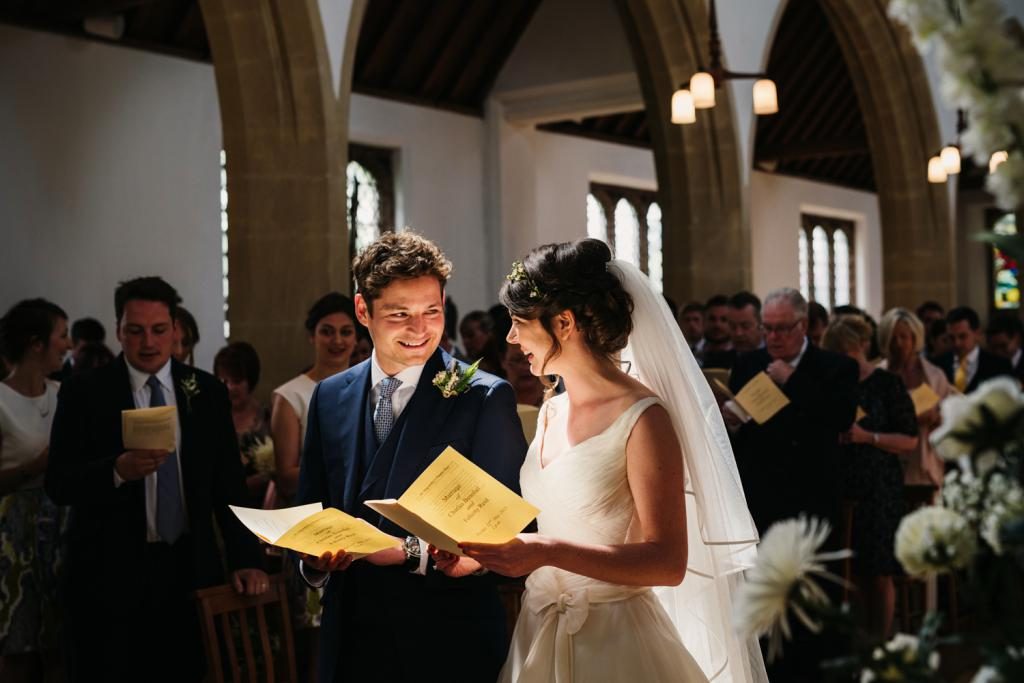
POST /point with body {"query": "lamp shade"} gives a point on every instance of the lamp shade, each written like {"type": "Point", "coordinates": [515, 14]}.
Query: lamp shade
{"type": "Point", "coordinates": [936, 171]}
{"type": "Point", "coordinates": [996, 159]}
{"type": "Point", "coordinates": [950, 156]}
{"type": "Point", "coordinates": [682, 107]}
{"type": "Point", "coordinates": [702, 86]}
{"type": "Point", "coordinates": [766, 99]}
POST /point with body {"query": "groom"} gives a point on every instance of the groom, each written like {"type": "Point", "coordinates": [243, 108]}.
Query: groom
{"type": "Point", "coordinates": [372, 430]}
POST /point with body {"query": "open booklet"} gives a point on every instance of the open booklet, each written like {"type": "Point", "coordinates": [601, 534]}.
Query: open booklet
{"type": "Point", "coordinates": [455, 501]}
{"type": "Point", "coordinates": [759, 400]}
{"type": "Point", "coordinates": [149, 428]}
{"type": "Point", "coordinates": [312, 530]}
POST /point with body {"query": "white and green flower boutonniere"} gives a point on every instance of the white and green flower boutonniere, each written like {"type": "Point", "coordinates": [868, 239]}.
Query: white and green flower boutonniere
{"type": "Point", "coordinates": [189, 387]}
{"type": "Point", "coordinates": [453, 381]}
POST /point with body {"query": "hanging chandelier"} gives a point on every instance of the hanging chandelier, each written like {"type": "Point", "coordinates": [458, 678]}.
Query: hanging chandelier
{"type": "Point", "coordinates": [699, 93]}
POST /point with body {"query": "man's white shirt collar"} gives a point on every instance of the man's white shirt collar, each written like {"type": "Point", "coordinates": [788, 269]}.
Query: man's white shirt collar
{"type": "Point", "coordinates": [139, 378]}
{"type": "Point", "coordinates": [796, 361]}
{"type": "Point", "coordinates": [409, 376]}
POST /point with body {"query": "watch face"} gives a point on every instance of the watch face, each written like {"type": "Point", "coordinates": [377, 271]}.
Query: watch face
{"type": "Point", "coordinates": [412, 546]}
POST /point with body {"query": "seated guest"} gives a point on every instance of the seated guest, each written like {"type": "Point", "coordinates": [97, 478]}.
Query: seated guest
{"type": "Point", "coordinates": [817, 321]}
{"type": "Point", "coordinates": [92, 356]}
{"type": "Point", "coordinates": [480, 342]}
{"type": "Point", "coordinates": [691, 322]}
{"type": "Point", "coordinates": [938, 341]}
{"type": "Point", "coordinates": [745, 322]}
{"type": "Point", "coordinates": [34, 339]}
{"type": "Point", "coordinates": [901, 338]}
{"type": "Point", "coordinates": [718, 351]}
{"type": "Point", "coordinates": [186, 336]}
{"type": "Point", "coordinates": [141, 535]}
{"type": "Point", "coordinates": [790, 464]}
{"type": "Point", "coordinates": [83, 331]}
{"type": "Point", "coordinates": [1003, 337]}
{"type": "Point", "coordinates": [871, 470]}
{"type": "Point", "coordinates": [237, 365]}
{"type": "Point", "coordinates": [968, 365]}
{"type": "Point", "coordinates": [930, 311]}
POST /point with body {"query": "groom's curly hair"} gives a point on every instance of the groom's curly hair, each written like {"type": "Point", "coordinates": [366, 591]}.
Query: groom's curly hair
{"type": "Point", "coordinates": [397, 256]}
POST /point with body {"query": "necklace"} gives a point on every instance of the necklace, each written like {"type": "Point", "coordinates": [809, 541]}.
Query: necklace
{"type": "Point", "coordinates": [42, 404]}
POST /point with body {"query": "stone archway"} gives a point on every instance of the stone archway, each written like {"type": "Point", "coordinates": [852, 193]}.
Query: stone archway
{"type": "Point", "coordinates": [285, 135]}
{"type": "Point", "coordinates": [707, 243]}
{"type": "Point", "coordinates": [902, 131]}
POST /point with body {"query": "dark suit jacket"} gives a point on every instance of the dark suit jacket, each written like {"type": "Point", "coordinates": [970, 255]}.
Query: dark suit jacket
{"type": "Point", "coordinates": [789, 465]}
{"type": "Point", "coordinates": [106, 536]}
{"type": "Point", "coordinates": [989, 365]}
{"type": "Point", "coordinates": [404, 621]}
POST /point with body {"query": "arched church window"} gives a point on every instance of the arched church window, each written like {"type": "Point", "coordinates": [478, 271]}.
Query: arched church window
{"type": "Point", "coordinates": [627, 233]}
{"type": "Point", "coordinates": [826, 260]}
{"type": "Point", "coordinates": [1005, 268]}
{"type": "Point", "coordinates": [370, 193]}
{"type": "Point", "coordinates": [224, 238]}
{"type": "Point", "coordinates": [597, 220]}
{"type": "Point", "coordinates": [654, 253]}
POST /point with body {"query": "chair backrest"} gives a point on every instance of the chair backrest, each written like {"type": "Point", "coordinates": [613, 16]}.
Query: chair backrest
{"type": "Point", "coordinates": [229, 619]}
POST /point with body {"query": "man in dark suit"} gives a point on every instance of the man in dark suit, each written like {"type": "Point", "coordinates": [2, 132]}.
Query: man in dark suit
{"type": "Point", "coordinates": [790, 465]}
{"type": "Point", "coordinates": [140, 536]}
{"type": "Point", "coordinates": [968, 365]}
{"type": "Point", "coordinates": [372, 430]}
{"type": "Point", "coordinates": [1004, 337]}
{"type": "Point", "coordinates": [717, 350]}
{"type": "Point", "coordinates": [84, 331]}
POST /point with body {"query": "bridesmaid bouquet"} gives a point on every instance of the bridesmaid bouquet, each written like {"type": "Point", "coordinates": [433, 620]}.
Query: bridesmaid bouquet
{"type": "Point", "coordinates": [261, 455]}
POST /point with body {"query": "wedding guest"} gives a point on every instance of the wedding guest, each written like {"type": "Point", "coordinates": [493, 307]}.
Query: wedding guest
{"type": "Point", "coordinates": [331, 326]}
{"type": "Point", "coordinates": [501, 324]}
{"type": "Point", "coordinates": [476, 330]}
{"type": "Point", "coordinates": [901, 338]}
{"type": "Point", "coordinates": [141, 535]}
{"type": "Point", "coordinates": [745, 322]}
{"type": "Point", "coordinates": [83, 331]}
{"type": "Point", "coordinates": [871, 470]}
{"type": "Point", "coordinates": [930, 311]}
{"type": "Point", "coordinates": [237, 365]}
{"type": "Point", "coordinates": [691, 322]}
{"type": "Point", "coordinates": [33, 339]}
{"type": "Point", "coordinates": [938, 340]}
{"type": "Point", "coordinates": [450, 333]}
{"type": "Point", "coordinates": [92, 356]}
{"type": "Point", "coordinates": [817, 321]}
{"type": "Point", "coordinates": [718, 351]}
{"type": "Point", "coordinates": [186, 336]}
{"type": "Point", "coordinates": [364, 346]}
{"type": "Point", "coordinates": [873, 352]}
{"type": "Point", "coordinates": [1003, 337]}
{"type": "Point", "coordinates": [528, 387]}
{"type": "Point", "coordinates": [968, 365]}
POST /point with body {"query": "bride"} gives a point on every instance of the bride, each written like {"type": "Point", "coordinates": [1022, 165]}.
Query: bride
{"type": "Point", "coordinates": [643, 531]}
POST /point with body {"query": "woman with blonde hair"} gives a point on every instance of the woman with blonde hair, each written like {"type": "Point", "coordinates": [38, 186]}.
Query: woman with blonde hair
{"type": "Point", "coordinates": [901, 338]}
{"type": "Point", "coordinates": [885, 428]}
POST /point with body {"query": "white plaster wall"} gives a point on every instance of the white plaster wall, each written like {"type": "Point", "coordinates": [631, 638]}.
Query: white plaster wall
{"type": "Point", "coordinates": [439, 182]}
{"type": "Point", "coordinates": [780, 200]}
{"type": "Point", "coordinates": [110, 170]}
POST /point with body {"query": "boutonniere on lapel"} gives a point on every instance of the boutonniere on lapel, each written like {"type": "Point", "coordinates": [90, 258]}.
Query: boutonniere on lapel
{"type": "Point", "coordinates": [453, 381]}
{"type": "Point", "coordinates": [189, 387]}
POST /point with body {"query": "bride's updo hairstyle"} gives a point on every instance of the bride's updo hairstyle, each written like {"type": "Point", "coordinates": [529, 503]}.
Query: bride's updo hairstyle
{"type": "Point", "coordinates": [572, 276]}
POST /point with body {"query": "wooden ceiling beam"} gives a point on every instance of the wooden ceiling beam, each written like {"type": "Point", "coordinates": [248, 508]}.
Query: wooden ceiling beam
{"type": "Point", "coordinates": [808, 151]}
{"type": "Point", "coordinates": [456, 50]}
{"type": "Point", "coordinates": [429, 42]}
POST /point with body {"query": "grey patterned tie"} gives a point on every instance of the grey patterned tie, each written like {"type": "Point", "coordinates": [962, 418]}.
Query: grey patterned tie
{"type": "Point", "coordinates": [384, 415]}
{"type": "Point", "coordinates": [170, 517]}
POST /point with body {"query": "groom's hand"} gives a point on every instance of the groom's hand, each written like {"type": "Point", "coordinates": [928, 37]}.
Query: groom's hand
{"type": "Point", "coordinates": [329, 562]}
{"type": "Point", "coordinates": [452, 565]}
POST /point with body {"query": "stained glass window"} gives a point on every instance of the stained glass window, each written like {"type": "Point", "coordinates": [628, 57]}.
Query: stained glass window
{"type": "Point", "coordinates": [841, 263]}
{"type": "Point", "coordinates": [224, 238]}
{"type": "Point", "coordinates": [363, 206]}
{"type": "Point", "coordinates": [805, 263]}
{"type": "Point", "coordinates": [825, 258]}
{"type": "Point", "coordinates": [1005, 275]}
{"type": "Point", "coordinates": [654, 256]}
{"type": "Point", "coordinates": [820, 261]}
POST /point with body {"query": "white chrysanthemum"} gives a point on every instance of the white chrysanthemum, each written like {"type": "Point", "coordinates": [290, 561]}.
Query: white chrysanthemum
{"type": "Point", "coordinates": [1004, 503]}
{"type": "Point", "coordinates": [988, 674]}
{"type": "Point", "coordinates": [262, 456]}
{"type": "Point", "coordinates": [783, 579]}
{"type": "Point", "coordinates": [934, 540]}
{"type": "Point", "coordinates": [1001, 396]}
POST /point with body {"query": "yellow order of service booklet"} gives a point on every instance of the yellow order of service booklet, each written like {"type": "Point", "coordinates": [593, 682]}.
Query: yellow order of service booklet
{"type": "Point", "coordinates": [759, 400]}
{"type": "Point", "coordinates": [149, 428]}
{"type": "Point", "coordinates": [454, 501]}
{"type": "Point", "coordinates": [924, 398]}
{"type": "Point", "coordinates": [312, 530]}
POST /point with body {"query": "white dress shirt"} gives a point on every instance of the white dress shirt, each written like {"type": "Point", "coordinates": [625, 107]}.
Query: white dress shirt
{"type": "Point", "coordinates": [141, 395]}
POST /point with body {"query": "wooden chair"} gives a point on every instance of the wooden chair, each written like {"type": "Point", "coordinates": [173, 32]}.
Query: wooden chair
{"type": "Point", "coordinates": [228, 618]}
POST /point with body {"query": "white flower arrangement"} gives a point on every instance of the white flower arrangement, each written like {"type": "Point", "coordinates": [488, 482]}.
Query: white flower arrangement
{"type": "Point", "coordinates": [783, 578]}
{"type": "Point", "coordinates": [899, 659]}
{"type": "Point", "coordinates": [981, 73]}
{"type": "Point", "coordinates": [262, 456]}
{"type": "Point", "coordinates": [1003, 504]}
{"type": "Point", "coordinates": [933, 540]}
{"type": "Point", "coordinates": [1001, 397]}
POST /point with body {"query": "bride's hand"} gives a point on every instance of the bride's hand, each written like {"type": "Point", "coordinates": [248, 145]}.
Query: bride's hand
{"type": "Point", "coordinates": [520, 556]}
{"type": "Point", "coordinates": [452, 565]}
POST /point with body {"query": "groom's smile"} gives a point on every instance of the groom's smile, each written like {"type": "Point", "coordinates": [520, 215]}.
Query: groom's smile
{"type": "Point", "coordinates": [405, 322]}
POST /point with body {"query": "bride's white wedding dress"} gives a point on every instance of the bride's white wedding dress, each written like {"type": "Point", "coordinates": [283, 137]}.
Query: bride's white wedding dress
{"type": "Point", "coordinates": [574, 628]}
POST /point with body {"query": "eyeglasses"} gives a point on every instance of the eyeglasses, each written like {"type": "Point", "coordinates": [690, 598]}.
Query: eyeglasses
{"type": "Point", "coordinates": [779, 329]}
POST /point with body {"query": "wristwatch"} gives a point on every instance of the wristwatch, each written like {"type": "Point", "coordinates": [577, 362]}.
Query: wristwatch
{"type": "Point", "coordinates": [874, 438]}
{"type": "Point", "coordinates": [413, 553]}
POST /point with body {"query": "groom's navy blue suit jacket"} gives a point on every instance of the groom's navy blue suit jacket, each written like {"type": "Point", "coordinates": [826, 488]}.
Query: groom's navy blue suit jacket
{"type": "Point", "coordinates": [399, 621]}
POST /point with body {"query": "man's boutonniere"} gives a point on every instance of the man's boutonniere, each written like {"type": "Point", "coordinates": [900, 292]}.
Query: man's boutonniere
{"type": "Point", "coordinates": [453, 381]}
{"type": "Point", "coordinates": [189, 387]}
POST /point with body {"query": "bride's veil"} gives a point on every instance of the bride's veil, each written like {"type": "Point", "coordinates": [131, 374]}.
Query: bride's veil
{"type": "Point", "coordinates": [721, 534]}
